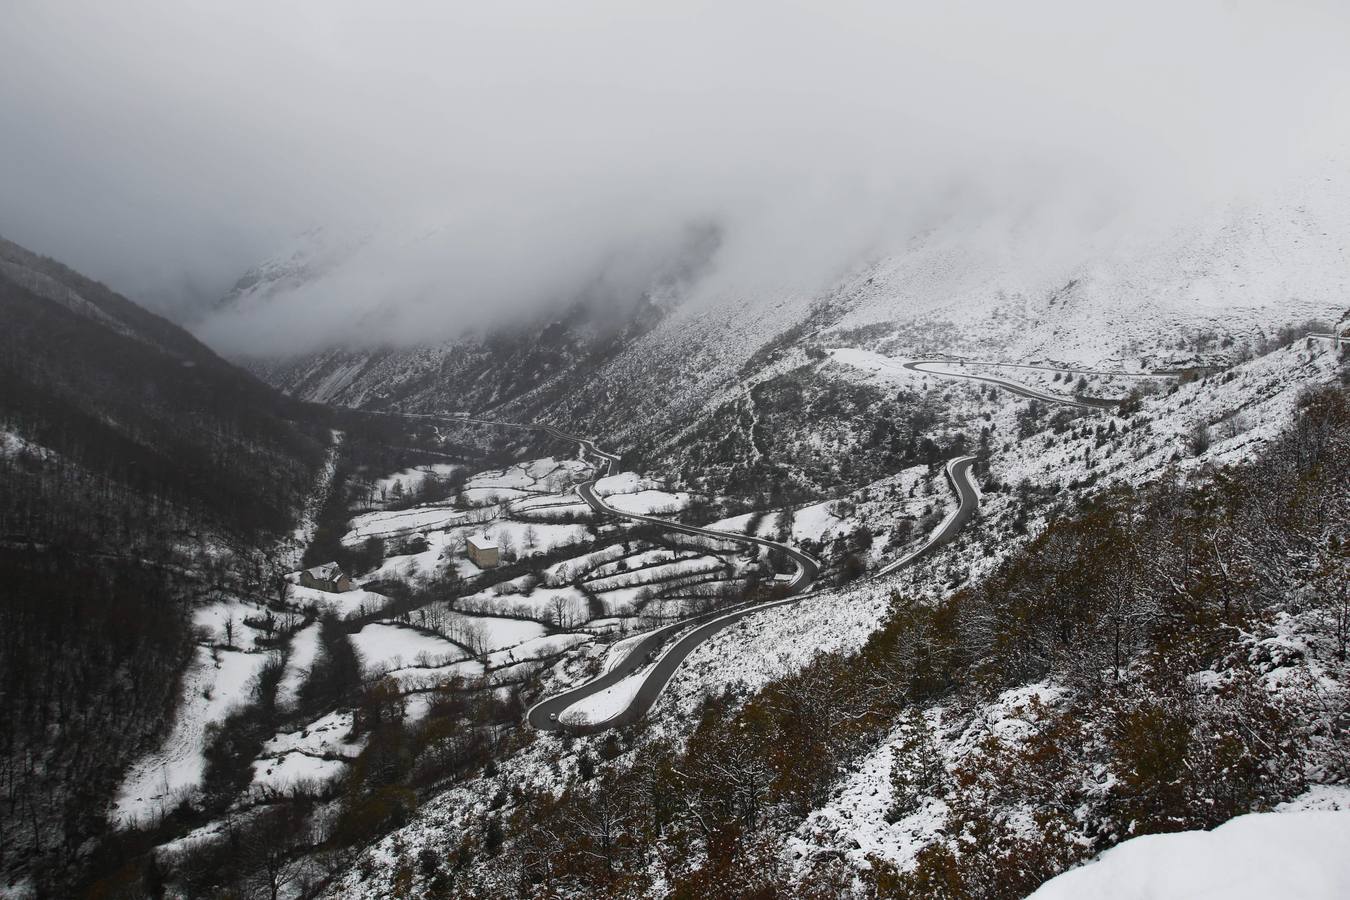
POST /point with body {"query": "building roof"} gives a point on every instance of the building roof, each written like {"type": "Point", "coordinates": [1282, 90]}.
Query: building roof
{"type": "Point", "coordinates": [482, 542]}
{"type": "Point", "coordinates": [329, 571]}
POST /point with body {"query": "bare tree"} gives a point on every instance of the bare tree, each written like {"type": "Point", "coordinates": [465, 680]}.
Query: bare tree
{"type": "Point", "coordinates": [603, 821]}
{"type": "Point", "coordinates": [560, 611]}
{"type": "Point", "coordinates": [1197, 440]}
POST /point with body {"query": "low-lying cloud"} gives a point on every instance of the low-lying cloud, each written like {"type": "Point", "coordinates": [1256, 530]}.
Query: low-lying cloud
{"type": "Point", "coordinates": [469, 162]}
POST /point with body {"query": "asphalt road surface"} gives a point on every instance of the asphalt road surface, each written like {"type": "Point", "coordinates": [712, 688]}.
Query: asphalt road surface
{"type": "Point", "coordinates": [936, 367]}
{"type": "Point", "coordinates": [968, 500]}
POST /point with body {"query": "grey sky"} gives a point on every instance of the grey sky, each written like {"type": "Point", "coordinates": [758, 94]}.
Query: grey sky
{"type": "Point", "coordinates": [498, 155]}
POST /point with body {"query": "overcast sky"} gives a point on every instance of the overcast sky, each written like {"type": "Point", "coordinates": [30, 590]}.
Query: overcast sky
{"type": "Point", "coordinates": [471, 160]}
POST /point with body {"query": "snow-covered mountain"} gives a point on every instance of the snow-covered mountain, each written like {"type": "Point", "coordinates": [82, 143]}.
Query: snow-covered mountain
{"type": "Point", "coordinates": [789, 415]}
{"type": "Point", "coordinates": [661, 369]}
{"type": "Point", "coordinates": [314, 254]}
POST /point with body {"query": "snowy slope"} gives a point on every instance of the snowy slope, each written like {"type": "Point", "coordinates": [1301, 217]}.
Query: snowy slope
{"type": "Point", "coordinates": [1122, 291]}
{"type": "Point", "coordinates": [1122, 294]}
{"type": "Point", "coordinates": [1298, 855]}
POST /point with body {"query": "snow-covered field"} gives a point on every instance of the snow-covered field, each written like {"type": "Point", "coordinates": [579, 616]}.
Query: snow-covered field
{"type": "Point", "coordinates": [222, 623]}
{"type": "Point", "coordinates": [537, 476]}
{"type": "Point", "coordinates": [215, 683]}
{"type": "Point", "coordinates": [409, 481]}
{"type": "Point", "coordinates": [304, 647]}
{"type": "Point", "coordinates": [558, 606]}
{"type": "Point", "coordinates": [400, 523]}
{"type": "Point", "coordinates": [385, 646]}
{"type": "Point", "coordinates": [649, 502]}
{"type": "Point", "coordinates": [541, 647]}
{"type": "Point", "coordinates": [498, 633]}
{"type": "Point", "coordinates": [289, 770]}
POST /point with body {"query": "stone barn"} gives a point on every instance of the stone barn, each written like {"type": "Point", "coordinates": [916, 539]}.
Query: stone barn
{"type": "Point", "coordinates": [327, 577]}
{"type": "Point", "coordinates": [483, 551]}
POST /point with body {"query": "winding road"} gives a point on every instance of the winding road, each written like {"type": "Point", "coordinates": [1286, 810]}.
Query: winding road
{"type": "Point", "coordinates": [968, 500]}
{"type": "Point", "coordinates": [546, 714]}
{"type": "Point", "coordinates": [930, 367]}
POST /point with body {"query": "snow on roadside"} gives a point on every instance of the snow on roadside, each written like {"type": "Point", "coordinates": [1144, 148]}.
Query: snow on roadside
{"type": "Point", "coordinates": [816, 522]}
{"type": "Point", "coordinates": [620, 649]}
{"type": "Point", "coordinates": [604, 705]}
{"type": "Point", "coordinates": [624, 483]}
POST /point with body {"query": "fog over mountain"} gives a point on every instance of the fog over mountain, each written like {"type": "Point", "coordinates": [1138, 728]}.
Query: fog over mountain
{"type": "Point", "coordinates": [479, 161]}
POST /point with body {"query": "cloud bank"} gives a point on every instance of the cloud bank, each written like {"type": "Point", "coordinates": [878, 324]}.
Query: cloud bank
{"type": "Point", "coordinates": [479, 161]}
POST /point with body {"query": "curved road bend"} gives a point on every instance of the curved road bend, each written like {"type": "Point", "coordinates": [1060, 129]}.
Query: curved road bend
{"type": "Point", "coordinates": [958, 470]}
{"type": "Point", "coordinates": [543, 715]}
{"type": "Point", "coordinates": [926, 366]}
{"type": "Point", "coordinates": [968, 500]}
{"type": "Point", "coordinates": [1040, 367]}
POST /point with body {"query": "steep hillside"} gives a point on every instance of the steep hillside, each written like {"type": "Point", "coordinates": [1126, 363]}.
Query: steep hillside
{"type": "Point", "coordinates": [137, 470]}
{"type": "Point", "coordinates": [990, 717]}
{"type": "Point", "coordinates": [530, 365]}
{"type": "Point", "coordinates": [125, 404]}
{"type": "Point", "coordinates": [1209, 288]}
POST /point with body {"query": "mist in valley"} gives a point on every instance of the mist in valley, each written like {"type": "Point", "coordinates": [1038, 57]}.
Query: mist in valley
{"type": "Point", "coordinates": [442, 169]}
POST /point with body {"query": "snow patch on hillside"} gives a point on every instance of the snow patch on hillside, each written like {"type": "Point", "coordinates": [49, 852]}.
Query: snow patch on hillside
{"type": "Point", "coordinates": [214, 684]}
{"type": "Point", "coordinates": [1295, 855]}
